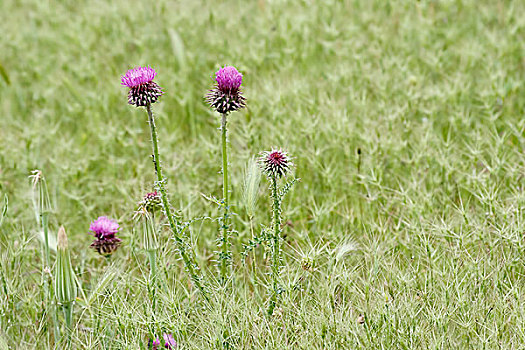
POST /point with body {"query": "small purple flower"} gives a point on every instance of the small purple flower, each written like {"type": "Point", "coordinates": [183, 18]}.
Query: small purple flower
{"type": "Point", "coordinates": [275, 162]}
{"type": "Point", "coordinates": [142, 89]}
{"type": "Point", "coordinates": [104, 230]}
{"type": "Point", "coordinates": [170, 342]}
{"type": "Point", "coordinates": [227, 97]}
{"type": "Point", "coordinates": [104, 227]}
{"type": "Point", "coordinates": [154, 345]}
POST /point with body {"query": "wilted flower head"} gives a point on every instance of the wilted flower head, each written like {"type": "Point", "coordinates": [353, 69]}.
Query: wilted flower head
{"type": "Point", "coordinates": [151, 202]}
{"type": "Point", "coordinates": [275, 162]}
{"type": "Point", "coordinates": [142, 89]}
{"type": "Point", "coordinates": [104, 230]}
{"type": "Point", "coordinates": [227, 97]}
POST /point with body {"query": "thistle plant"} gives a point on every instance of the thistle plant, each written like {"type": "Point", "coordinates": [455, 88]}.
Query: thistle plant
{"type": "Point", "coordinates": [225, 98]}
{"type": "Point", "coordinates": [65, 281]}
{"type": "Point", "coordinates": [143, 92]}
{"type": "Point", "coordinates": [276, 164]}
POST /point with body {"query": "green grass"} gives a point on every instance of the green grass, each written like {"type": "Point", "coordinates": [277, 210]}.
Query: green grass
{"type": "Point", "coordinates": [426, 240]}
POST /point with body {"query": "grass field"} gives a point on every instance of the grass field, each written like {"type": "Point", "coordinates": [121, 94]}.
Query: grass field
{"type": "Point", "coordinates": [406, 121]}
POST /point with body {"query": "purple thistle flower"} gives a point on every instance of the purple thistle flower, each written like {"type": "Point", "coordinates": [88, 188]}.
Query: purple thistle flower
{"type": "Point", "coordinates": [170, 342]}
{"type": "Point", "coordinates": [142, 89]}
{"type": "Point", "coordinates": [275, 162]}
{"type": "Point", "coordinates": [104, 230]}
{"type": "Point", "coordinates": [226, 97]}
{"type": "Point", "coordinates": [228, 79]}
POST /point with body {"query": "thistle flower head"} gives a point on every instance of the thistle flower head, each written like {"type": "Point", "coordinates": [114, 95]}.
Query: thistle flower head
{"type": "Point", "coordinates": [151, 202]}
{"type": "Point", "coordinates": [104, 230]}
{"type": "Point", "coordinates": [104, 227]}
{"type": "Point", "coordinates": [275, 163]}
{"type": "Point", "coordinates": [142, 89]}
{"type": "Point", "coordinates": [138, 76]}
{"type": "Point", "coordinates": [227, 97]}
{"type": "Point", "coordinates": [228, 79]}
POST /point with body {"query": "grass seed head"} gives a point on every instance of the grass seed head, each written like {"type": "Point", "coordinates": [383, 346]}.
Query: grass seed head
{"type": "Point", "coordinates": [252, 179]}
{"type": "Point", "coordinates": [41, 201]}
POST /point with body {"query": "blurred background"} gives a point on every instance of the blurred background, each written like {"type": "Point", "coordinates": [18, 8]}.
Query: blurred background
{"type": "Point", "coordinates": [430, 93]}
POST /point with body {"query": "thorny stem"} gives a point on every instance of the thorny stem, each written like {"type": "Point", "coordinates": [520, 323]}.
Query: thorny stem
{"type": "Point", "coordinates": [224, 241]}
{"type": "Point", "coordinates": [254, 260]}
{"type": "Point", "coordinates": [187, 256]}
{"type": "Point", "coordinates": [276, 248]}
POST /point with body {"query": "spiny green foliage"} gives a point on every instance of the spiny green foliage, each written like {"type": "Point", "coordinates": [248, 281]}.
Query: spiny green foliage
{"type": "Point", "coordinates": [430, 91]}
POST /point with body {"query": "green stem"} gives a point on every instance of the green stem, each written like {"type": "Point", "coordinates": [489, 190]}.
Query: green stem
{"type": "Point", "coordinates": [153, 276]}
{"type": "Point", "coordinates": [254, 260]}
{"type": "Point", "coordinates": [45, 220]}
{"type": "Point", "coordinates": [189, 260]}
{"type": "Point", "coordinates": [225, 254]}
{"type": "Point", "coordinates": [276, 248]}
{"type": "Point", "coordinates": [68, 315]}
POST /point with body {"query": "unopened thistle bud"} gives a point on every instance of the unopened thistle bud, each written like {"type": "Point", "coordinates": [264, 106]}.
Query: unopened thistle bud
{"type": "Point", "coordinates": [65, 283]}
{"type": "Point", "coordinates": [275, 163]}
{"type": "Point", "coordinates": [227, 97]}
{"type": "Point", "coordinates": [151, 202]}
{"type": "Point", "coordinates": [104, 230]}
{"type": "Point", "coordinates": [142, 89]}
